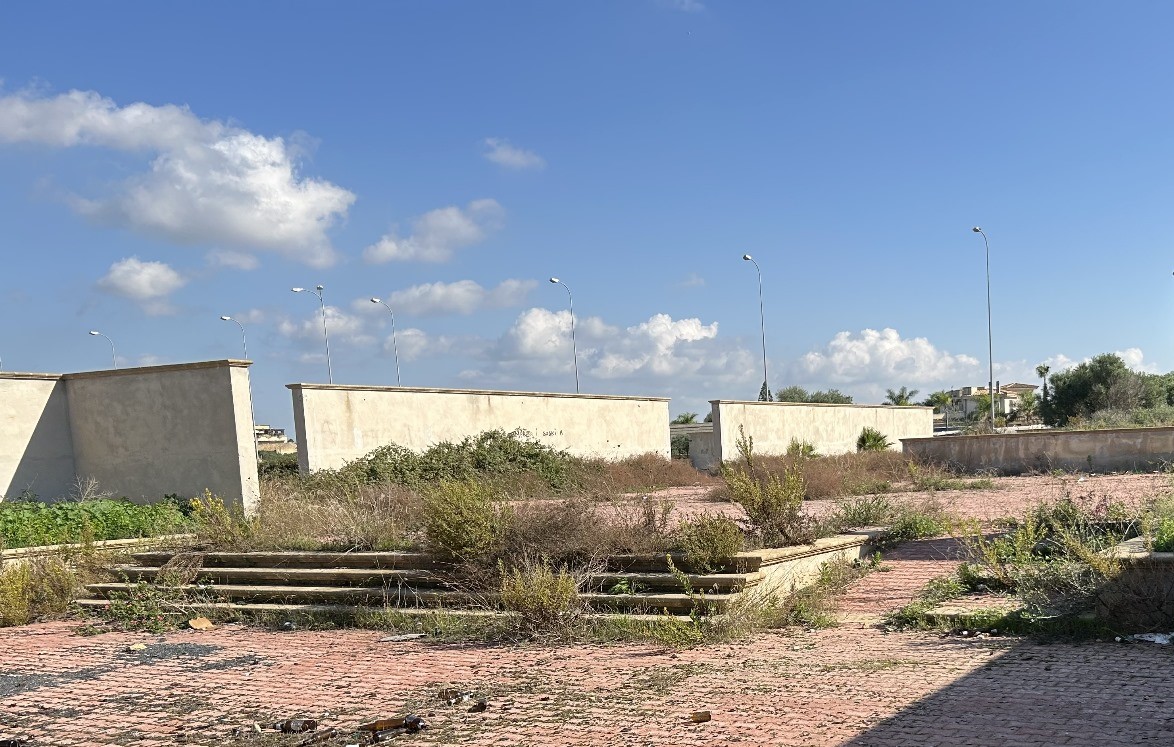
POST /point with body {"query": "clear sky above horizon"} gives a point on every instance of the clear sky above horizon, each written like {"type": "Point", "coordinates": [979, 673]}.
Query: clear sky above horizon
{"type": "Point", "coordinates": [164, 164]}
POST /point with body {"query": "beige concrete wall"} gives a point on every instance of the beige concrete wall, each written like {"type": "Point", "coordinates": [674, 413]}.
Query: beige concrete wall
{"type": "Point", "coordinates": [831, 429]}
{"type": "Point", "coordinates": [138, 432]}
{"type": "Point", "coordinates": [1015, 453]}
{"type": "Point", "coordinates": [336, 424]}
{"type": "Point", "coordinates": [36, 448]}
{"type": "Point", "coordinates": [147, 432]}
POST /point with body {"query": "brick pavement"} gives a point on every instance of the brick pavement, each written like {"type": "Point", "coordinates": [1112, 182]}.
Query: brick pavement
{"type": "Point", "coordinates": [850, 685]}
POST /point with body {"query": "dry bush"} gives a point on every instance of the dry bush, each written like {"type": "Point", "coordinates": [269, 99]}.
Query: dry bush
{"type": "Point", "coordinates": [36, 587]}
{"type": "Point", "coordinates": [545, 601]}
{"type": "Point", "coordinates": [466, 521]}
{"type": "Point", "coordinates": [709, 541]}
{"type": "Point", "coordinates": [641, 473]}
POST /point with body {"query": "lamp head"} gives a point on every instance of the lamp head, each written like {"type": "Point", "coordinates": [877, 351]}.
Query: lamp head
{"type": "Point", "coordinates": [95, 332]}
{"type": "Point", "coordinates": [747, 257]}
{"type": "Point", "coordinates": [376, 300]}
{"type": "Point", "coordinates": [297, 290]}
{"type": "Point", "coordinates": [977, 229]}
{"type": "Point", "coordinates": [554, 280]}
{"type": "Point", "coordinates": [318, 287]}
{"type": "Point", "coordinates": [226, 318]}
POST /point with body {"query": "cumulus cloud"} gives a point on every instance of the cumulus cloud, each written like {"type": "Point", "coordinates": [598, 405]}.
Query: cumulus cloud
{"type": "Point", "coordinates": [510, 156]}
{"type": "Point", "coordinates": [208, 182]}
{"type": "Point", "coordinates": [885, 359]}
{"type": "Point", "coordinates": [342, 327]}
{"type": "Point", "coordinates": [461, 297]}
{"type": "Point", "coordinates": [147, 283]}
{"type": "Point", "coordinates": [438, 233]}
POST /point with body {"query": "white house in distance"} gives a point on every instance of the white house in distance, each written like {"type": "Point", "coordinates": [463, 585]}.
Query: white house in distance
{"type": "Point", "coordinates": [964, 402]}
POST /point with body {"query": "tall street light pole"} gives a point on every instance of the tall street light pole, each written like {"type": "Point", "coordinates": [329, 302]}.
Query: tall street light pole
{"type": "Point", "coordinates": [252, 416]}
{"type": "Point", "coordinates": [990, 386]}
{"type": "Point", "coordinates": [317, 291]}
{"type": "Point", "coordinates": [761, 320]}
{"type": "Point", "coordinates": [574, 345]}
{"type": "Point", "coordinates": [394, 347]}
{"type": "Point", "coordinates": [113, 357]}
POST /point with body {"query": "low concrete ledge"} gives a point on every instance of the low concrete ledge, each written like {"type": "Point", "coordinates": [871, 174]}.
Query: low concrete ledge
{"type": "Point", "coordinates": [1141, 596]}
{"type": "Point", "coordinates": [495, 392]}
{"type": "Point", "coordinates": [24, 553]}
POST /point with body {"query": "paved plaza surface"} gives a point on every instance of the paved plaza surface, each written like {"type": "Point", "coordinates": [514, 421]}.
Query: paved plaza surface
{"type": "Point", "coordinates": [854, 684]}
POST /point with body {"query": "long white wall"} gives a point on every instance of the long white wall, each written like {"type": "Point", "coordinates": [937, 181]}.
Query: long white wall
{"type": "Point", "coordinates": [831, 429]}
{"type": "Point", "coordinates": [139, 432]}
{"type": "Point", "coordinates": [336, 424]}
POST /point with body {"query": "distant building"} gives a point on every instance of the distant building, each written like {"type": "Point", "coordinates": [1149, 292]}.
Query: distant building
{"type": "Point", "coordinates": [964, 402]}
{"type": "Point", "coordinates": [273, 439]}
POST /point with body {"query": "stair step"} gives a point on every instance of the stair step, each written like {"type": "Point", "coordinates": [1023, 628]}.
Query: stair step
{"type": "Point", "coordinates": [349, 611]}
{"type": "Point", "coordinates": [404, 597]}
{"type": "Point", "coordinates": [709, 583]}
{"type": "Point", "coordinates": [297, 576]}
{"type": "Point", "coordinates": [305, 559]}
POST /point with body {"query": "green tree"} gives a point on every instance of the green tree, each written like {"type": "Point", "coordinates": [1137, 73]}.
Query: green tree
{"type": "Point", "coordinates": [938, 400]}
{"type": "Point", "coordinates": [764, 393]}
{"type": "Point", "coordinates": [830, 397]}
{"type": "Point", "coordinates": [903, 396]}
{"type": "Point", "coordinates": [1104, 382]}
{"type": "Point", "coordinates": [708, 418]}
{"type": "Point", "coordinates": [1042, 371]}
{"type": "Point", "coordinates": [793, 393]}
{"type": "Point", "coordinates": [1028, 408]}
{"type": "Point", "coordinates": [982, 407]}
{"type": "Point", "coordinates": [685, 418]}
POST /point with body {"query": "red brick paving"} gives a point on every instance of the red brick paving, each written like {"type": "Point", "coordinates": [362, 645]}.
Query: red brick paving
{"type": "Point", "coordinates": [851, 685]}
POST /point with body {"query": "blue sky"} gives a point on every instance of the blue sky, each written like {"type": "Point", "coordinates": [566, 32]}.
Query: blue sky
{"type": "Point", "coordinates": [164, 164]}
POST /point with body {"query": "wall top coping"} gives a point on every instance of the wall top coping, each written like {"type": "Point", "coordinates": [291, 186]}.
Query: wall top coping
{"type": "Point", "coordinates": [140, 370]}
{"type": "Point", "coordinates": [434, 390]}
{"type": "Point", "coordinates": [1053, 433]}
{"type": "Point", "coordinates": [814, 404]}
{"type": "Point", "coordinates": [29, 376]}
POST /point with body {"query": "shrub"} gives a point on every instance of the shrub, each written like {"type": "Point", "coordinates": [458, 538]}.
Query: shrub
{"type": "Point", "coordinates": [708, 541]}
{"type": "Point", "coordinates": [801, 449]}
{"type": "Point", "coordinates": [464, 520]}
{"type": "Point", "coordinates": [31, 523]}
{"type": "Point", "coordinates": [871, 439]}
{"type": "Point", "coordinates": [35, 587]}
{"type": "Point", "coordinates": [273, 464]}
{"type": "Point", "coordinates": [868, 511]}
{"type": "Point", "coordinates": [772, 501]}
{"type": "Point", "coordinates": [1164, 535]}
{"type": "Point", "coordinates": [679, 447]}
{"type": "Point", "coordinates": [544, 600]}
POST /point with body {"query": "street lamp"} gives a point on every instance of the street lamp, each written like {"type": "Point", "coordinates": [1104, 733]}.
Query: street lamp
{"type": "Point", "coordinates": [244, 342]}
{"type": "Point", "coordinates": [990, 386]}
{"type": "Point", "coordinates": [394, 348]}
{"type": "Point", "coordinates": [761, 320]}
{"type": "Point", "coordinates": [574, 345]}
{"type": "Point", "coordinates": [113, 357]}
{"type": "Point", "coordinates": [317, 291]}
{"type": "Point", "coordinates": [252, 416]}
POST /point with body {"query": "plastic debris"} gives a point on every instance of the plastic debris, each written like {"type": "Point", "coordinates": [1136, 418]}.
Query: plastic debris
{"type": "Point", "coordinates": [453, 696]}
{"type": "Point", "coordinates": [700, 717]}
{"type": "Point", "coordinates": [200, 623]}
{"type": "Point", "coordinates": [137, 647]}
{"type": "Point", "coordinates": [1162, 639]}
{"type": "Point", "coordinates": [402, 637]}
{"type": "Point", "coordinates": [295, 725]}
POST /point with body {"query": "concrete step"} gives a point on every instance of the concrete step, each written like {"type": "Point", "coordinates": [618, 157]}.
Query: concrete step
{"type": "Point", "coordinates": [712, 583]}
{"type": "Point", "coordinates": [405, 597]}
{"type": "Point", "coordinates": [299, 559]}
{"type": "Point", "coordinates": [297, 576]}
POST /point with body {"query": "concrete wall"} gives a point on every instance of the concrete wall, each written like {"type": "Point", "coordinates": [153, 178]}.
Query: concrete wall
{"type": "Point", "coordinates": [139, 432]}
{"type": "Point", "coordinates": [336, 424]}
{"type": "Point", "coordinates": [36, 447]}
{"type": "Point", "coordinates": [831, 429]}
{"type": "Point", "coordinates": [1015, 453]}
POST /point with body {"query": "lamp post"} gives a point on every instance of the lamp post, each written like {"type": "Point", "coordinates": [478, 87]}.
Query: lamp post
{"type": "Point", "coordinates": [252, 416]}
{"type": "Point", "coordinates": [317, 291]}
{"type": "Point", "coordinates": [113, 357]}
{"type": "Point", "coordinates": [574, 345]}
{"type": "Point", "coordinates": [990, 385]}
{"type": "Point", "coordinates": [244, 342]}
{"type": "Point", "coordinates": [394, 347]}
{"type": "Point", "coordinates": [761, 320]}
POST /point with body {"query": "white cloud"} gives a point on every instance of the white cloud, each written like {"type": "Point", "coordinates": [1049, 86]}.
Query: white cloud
{"type": "Point", "coordinates": [341, 326]}
{"type": "Point", "coordinates": [684, 6]}
{"type": "Point", "coordinates": [503, 153]}
{"type": "Point", "coordinates": [875, 360]}
{"type": "Point", "coordinates": [461, 297]}
{"type": "Point", "coordinates": [416, 343]}
{"type": "Point", "coordinates": [147, 283]}
{"type": "Point", "coordinates": [208, 182]}
{"type": "Point", "coordinates": [655, 347]}
{"type": "Point", "coordinates": [693, 281]}
{"type": "Point", "coordinates": [438, 233]}
{"type": "Point", "coordinates": [233, 260]}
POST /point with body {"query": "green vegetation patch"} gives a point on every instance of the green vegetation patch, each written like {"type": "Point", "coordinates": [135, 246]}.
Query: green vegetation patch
{"type": "Point", "coordinates": [32, 523]}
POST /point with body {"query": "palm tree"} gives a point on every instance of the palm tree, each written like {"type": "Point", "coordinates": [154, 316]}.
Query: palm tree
{"type": "Point", "coordinates": [685, 418]}
{"type": "Point", "coordinates": [939, 401]}
{"type": "Point", "coordinates": [903, 396]}
{"type": "Point", "coordinates": [1042, 371]}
